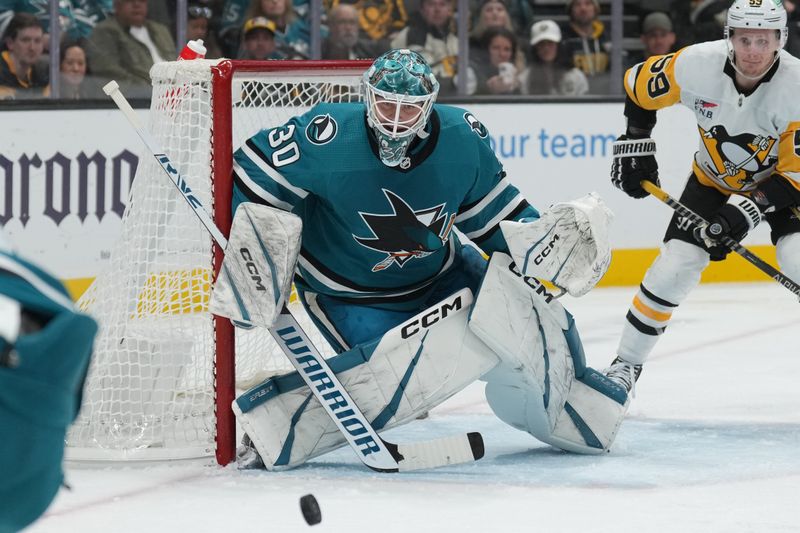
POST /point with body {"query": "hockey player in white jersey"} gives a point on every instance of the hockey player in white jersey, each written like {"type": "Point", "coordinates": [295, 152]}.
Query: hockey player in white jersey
{"type": "Point", "coordinates": [415, 314]}
{"type": "Point", "coordinates": [743, 92]}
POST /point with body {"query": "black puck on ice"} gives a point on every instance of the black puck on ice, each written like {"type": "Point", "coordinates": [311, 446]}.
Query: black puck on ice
{"type": "Point", "coordinates": [310, 508]}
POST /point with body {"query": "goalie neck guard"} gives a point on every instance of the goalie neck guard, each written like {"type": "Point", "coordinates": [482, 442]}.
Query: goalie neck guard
{"type": "Point", "coordinates": [399, 92]}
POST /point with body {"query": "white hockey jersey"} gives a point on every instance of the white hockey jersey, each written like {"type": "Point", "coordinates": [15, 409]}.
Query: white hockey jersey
{"type": "Point", "coordinates": [744, 137]}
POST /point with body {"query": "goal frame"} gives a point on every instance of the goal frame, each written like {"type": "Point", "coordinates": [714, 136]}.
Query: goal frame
{"type": "Point", "coordinates": [222, 75]}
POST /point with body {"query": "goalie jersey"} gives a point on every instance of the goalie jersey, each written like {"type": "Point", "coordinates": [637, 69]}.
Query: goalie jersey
{"type": "Point", "coordinates": [377, 234]}
{"type": "Point", "coordinates": [744, 137]}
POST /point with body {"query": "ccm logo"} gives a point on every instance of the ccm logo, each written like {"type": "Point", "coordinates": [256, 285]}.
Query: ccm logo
{"type": "Point", "coordinates": [547, 249]}
{"type": "Point", "coordinates": [251, 268]}
{"type": "Point", "coordinates": [430, 318]}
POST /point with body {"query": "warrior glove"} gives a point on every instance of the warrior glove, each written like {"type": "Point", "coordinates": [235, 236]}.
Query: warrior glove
{"type": "Point", "coordinates": [634, 161]}
{"type": "Point", "coordinates": [734, 220]}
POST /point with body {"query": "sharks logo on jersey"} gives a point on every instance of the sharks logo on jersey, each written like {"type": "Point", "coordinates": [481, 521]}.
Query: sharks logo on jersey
{"type": "Point", "coordinates": [476, 125]}
{"type": "Point", "coordinates": [405, 233]}
{"type": "Point", "coordinates": [737, 158]}
{"type": "Point", "coordinates": [322, 129]}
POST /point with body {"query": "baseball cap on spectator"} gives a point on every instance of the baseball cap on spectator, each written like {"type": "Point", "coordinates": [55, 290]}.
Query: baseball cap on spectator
{"type": "Point", "coordinates": [545, 30]}
{"type": "Point", "coordinates": [259, 23]}
{"type": "Point", "coordinates": [656, 21]}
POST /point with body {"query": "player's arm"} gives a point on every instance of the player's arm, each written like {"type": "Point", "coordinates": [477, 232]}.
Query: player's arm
{"type": "Point", "coordinates": [649, 86]}
{"type": "Point", "coordinates": [491, 199]}
{"type": "Point", "coordinates": [264, 166]}
{"type": "Point", "coordinates": [782, 189]}
{"type": "Point", "coordinates": [779, 191]}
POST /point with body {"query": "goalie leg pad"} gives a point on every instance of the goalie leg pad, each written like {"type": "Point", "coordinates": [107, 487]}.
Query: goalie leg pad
{"type": "Point", "coordinates": [408, 371]}
{"type": "Point", "coordinates": [542, 385]}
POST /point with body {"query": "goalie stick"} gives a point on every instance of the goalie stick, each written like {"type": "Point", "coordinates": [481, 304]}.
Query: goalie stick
{"type": "Point", "coordinates": [733, 244]}
{"type": "Point", "coordinates": [371, 449]}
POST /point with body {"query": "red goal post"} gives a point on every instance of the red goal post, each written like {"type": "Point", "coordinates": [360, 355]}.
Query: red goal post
{"type": "Point", "coordinates": [165, 370]}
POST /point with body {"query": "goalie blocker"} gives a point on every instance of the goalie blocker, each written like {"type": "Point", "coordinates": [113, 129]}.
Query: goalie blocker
{"type": "Point", "coordinates": [537, 381]}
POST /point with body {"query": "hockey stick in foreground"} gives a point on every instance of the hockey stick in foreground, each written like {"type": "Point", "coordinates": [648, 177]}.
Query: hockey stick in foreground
{"type": "Point", "coordinates": [733, 244]}
{"type": "Point", "coordinates": [371, 449]}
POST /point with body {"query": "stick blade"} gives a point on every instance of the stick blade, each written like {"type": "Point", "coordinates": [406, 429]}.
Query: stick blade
{"type": "Point", "coordinates": [446, 451]}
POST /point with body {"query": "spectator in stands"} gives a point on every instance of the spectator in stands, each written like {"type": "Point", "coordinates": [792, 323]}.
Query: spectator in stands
{"type": "Point", "coordinates": [77, 17]}
{"type": "Point", "coordinates": [491, 14]}
{"type": "Point", "coordinates": [75, 80]}
{"type": "Point", "coordinates": [430, 33]}
{"type": "Point", "coordinates": [585, 38]}
{"type": "Point", "coordinates": [125, 46]}
{"type": "Point", "coordinates": [550, 69]}
{"type": "Point", "coordinates": [23, 74]}
{"type": "Point", "coordinates": [697, 21]}
{"type": "Point", "coordinates": [379, 20]}
{"type": "Point", "coordinates": [292, 32]}
{"type": "Point", "coordinates": [498, 75]}
{"type": "Point", "coordinates": [657, 36]}
{"type": "Point", "coordinates": [343, 41]}
{"type": "Point", "coordinates": [259, 40]}
{"type": "Point", "coordinates": [198, 22]}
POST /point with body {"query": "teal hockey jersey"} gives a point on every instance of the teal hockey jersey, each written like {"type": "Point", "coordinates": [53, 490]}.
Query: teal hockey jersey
{"type": "Point", "coordinates": [371, 232]}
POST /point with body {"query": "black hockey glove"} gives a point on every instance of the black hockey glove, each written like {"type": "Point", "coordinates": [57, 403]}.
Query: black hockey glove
{"type": "Point", "coordinates": [634, 161]}
{"type": "Point", "coordinates": [733, 220]}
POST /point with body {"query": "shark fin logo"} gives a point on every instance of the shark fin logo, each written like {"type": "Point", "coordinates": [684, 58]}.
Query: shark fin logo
{"type": "Point", "coordinates": [737, 158]}
{"type": "Point", "coordinates": [405, 234]}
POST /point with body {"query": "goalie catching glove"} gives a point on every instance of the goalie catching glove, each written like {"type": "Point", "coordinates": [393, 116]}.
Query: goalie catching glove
{"type": "Point", "coordinates": [634, 162]}
{"type": "Point", "coordinates": [567, 245]}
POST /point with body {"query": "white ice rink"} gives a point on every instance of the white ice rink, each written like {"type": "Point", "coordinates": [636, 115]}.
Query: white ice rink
{"type": "Point", "coordinates": [712, 444]}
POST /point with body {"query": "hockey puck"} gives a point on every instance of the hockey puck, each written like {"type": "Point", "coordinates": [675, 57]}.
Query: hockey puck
{"type": "Point", "coordinates": [310, 509]}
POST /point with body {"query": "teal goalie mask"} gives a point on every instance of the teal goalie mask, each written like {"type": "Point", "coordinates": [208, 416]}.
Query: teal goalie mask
{"type": "Point", "coordinates": [399, 92]}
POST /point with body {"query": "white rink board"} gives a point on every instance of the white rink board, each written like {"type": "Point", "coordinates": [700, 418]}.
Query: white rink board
{"type": "Point", "coordinates": [552, 152]}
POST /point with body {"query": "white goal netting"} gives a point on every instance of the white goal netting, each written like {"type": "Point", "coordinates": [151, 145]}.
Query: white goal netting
{"type": "Point", "coordinates": [151, 386]}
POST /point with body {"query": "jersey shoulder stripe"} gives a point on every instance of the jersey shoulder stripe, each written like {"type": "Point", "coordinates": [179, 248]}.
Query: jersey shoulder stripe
{"type": "Point", "coordinates": [652, 84]}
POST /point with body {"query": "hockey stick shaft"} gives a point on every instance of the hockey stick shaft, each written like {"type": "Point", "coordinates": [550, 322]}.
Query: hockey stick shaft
{"type": "Point", "coordinates": [733, 244]}
{"type": "Point", "coordinates": [370, 448]}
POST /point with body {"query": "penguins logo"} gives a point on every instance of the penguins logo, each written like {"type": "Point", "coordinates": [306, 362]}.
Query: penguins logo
{"type": "Point", "coordinates": [321, 130]}
{"type": "Point", "coordinates": [476, 125]}
{"type": "Point", "coordinates": [405, 234]}
{"type": "Point", "coordinates": [737, 158]}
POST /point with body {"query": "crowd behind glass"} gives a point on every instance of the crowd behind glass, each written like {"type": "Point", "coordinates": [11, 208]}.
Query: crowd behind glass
{"type": "Point", "coordinates": [515, 47]}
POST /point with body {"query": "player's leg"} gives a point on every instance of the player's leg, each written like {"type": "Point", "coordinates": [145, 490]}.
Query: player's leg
{"type": "Point", "coordinates": [349, 322]}
{"type": "Point", "coordinates": [785, 234]}
{"type": "Point", "coordinates": [542, 384]}
{"type": "Point", "coordinates": [667, 283]}
{"type": "Point", "coordinates": [405, 372]}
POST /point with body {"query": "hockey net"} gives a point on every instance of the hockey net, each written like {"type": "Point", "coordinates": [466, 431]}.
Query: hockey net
{"type": "Point", "coordinates": [162, 377]}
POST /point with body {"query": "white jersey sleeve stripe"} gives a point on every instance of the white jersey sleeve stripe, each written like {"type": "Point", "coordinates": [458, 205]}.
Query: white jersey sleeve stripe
{"type": "Point", "coordinates": [507, 210]}
{"type": "Point", "coordinates": [480, 206]}
{"type": "Point", "coordinates": [276, 176]}
{"type": "Point", "coordinates": [258, 190]}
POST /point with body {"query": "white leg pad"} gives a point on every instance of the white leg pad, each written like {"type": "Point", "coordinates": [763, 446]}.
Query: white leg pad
{"type": "Point", "coordinates": [411, 369]}
{"type": "Point", "coordinates": [542, 385]}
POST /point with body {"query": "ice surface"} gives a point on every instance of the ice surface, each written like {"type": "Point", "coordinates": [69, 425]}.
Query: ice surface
{"type": "Point", "coordinates": [710, 446]}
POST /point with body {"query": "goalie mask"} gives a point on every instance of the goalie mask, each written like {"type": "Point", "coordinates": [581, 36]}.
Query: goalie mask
{"type": "Point", "coordinates": [399, 92]}
{"type": "Point", "coordinates": [756, 15]}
